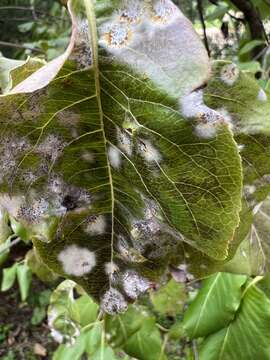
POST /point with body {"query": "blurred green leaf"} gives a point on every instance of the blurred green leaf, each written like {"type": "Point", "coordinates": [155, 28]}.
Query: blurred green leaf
{"type": "Point", "coordinates": [215, 305]}
{"type": "Point", "coordinates": [123, 326]}
{"type": "Point", "coordinates": [24, 276]}
{"type": "Point", "coordinates": [9, 277]}
{"type": "Point", "coordinates": [85, 310]}
{"type": "Point", "coordinates": [145, 344]}
{"type": "Point", "coordinates": [169, 299]}
{"type": "Point", "coordinates": [70, 352]}
{"type": "Point", "coordinates": [39, 314]}
{"type": "Point", "coordinates": [247, 336]}
{"type": "Point", "coordinates": [251, 45]}
{"type": "Point", "coordinates": [177, 331]}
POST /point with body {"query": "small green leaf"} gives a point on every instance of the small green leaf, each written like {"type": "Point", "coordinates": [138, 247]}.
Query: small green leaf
{"type": "Point", "coordinates": [170, 298]}
{"type": "Point", "coordinates": [9, 277]}
{"type": "Point", "coordinates": [247, 336]}
{"type": "Point", "coordinates": [145, 344]}
{"type": "Point", "coordinates": [105, 353]}
{"type": "Point", "coordinates": [93, 339]}
{"type": "Point", "coordinates": [123, 326]}
{"type": "Point", "coordinates": [70, 352]}
{"type": "Point", "coordinates": [39, 314]}
{"type": "Point", "coordinates": [215, 305]}
{"type": "Point", "coordinates": [177, 331]}
{"type": "Point", "coordinates": [250, 46]}
{"type": "Point", "coordinates": [24, 276]}
{"type": "Point", "coordinates": [85, 309]}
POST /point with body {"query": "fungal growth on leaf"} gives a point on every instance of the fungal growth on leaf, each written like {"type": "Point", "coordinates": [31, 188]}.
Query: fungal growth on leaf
{"type": "Point", "coordinates": [123, 165]}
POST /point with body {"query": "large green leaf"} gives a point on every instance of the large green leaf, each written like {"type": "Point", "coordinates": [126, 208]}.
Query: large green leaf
{"type": "Point", "coordinates": [110, 158]}
{"type": "Point", "coordinates": [146, 344]}
{"type": "Point", "coordinates": [247, 337]}
{"type": "Point", "coordinates": [215, 305]}
{"type": "Point", "coordinates": [237, 95]}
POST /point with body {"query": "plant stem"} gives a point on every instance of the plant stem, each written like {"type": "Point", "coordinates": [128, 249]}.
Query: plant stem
{"type": "Point", "coordinates": [6, 247]}
{"type": "Point", "coordinates": [18, 46]}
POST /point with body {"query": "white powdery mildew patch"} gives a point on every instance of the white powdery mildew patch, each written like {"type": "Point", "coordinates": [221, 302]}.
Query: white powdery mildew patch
{"type": "Point", "coordinates": [145, 227]}
{"type": "Point", "coordinates": [29, 177]}
{"type": "Point", "coordinates": [96, 225]}
{"type": "Point", "coordinates": [205, 131]}
{"type": "Point", "coordinates": [134, 284]}
{"type": "Point", "coordinates": [56, 185]}
{"type": "Point", "coordinates": [229, 74]}
{"type": "Point", "coordinates": [131, 11]}
{"type": "Point", "coordinates": [262, 96]}
{"type": "Point", "coordinates": [11, 148]}
{"type": "Point", "coordinates": [226, 117]}
{"type": "Point", "coordinates": [34, 212]}
{"type": "Point", "coordinates": [114, 157]}
{"type": "Point", "coordinates": [192, 106]}
{"type": "Point", "coordinates": [163, 11]}
{"type": "Point", "coordinates": [51, 148]}
{"type": "Point", "coordinates": [88, 156]}
{"type": "Point", "coordinates": [11, 205]}
{"type": "Point", "coordinates": [249, 189]}
{"type": "Point", "coordinates": [68, 118]}
{"type": "Point", "coordinates": [241, 147]}
{"type": "Point", "coordinates": [125, 142]}
{"type": "Point", "coordinates": [116, 35]}
{"type": "Point", "coordinates": [208, 120]}
{"type": "Point", "coordinates": [147, 150]}
{"type": "Point", "coordinates": [111, 268]}
{"type": "Point", "coordinates": [113, 302]}
{"type": "Point", "coordinates": [82, 53]}
{"type": "Point", "coordinates": [77, 261]}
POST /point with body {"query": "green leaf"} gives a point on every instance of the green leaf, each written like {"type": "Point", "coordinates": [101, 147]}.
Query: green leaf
{"type": "Point", "coordinates": [6, 66]}
{"type": "Point", "coordinates": [122, 327]}
{"type": "Point", "coordinates": [169, 299]}
{"type": "Point", "coordinates": [24, 276]}
{"type": "Point", "coordinates": [177, 331]}
{"type": "Point", "coordinates": [248, 106]}
{"type": "Point", "coordinates": [215, 305]}
{"type": "Point", "coordinates": [86, 310]}
{"type": "Point", "coordinates": [5, 233]}
{"type": "Point", "coordinates": [39, 314]}
{"type": "Point", "coordinates": [9, 277]}
{"type": "Point", "coordinates": [218, 13]}
{"type": "Point", "coordinates": [247, 336]}
{"type": "Point", "coordinates": [105, 353]}
{"type": "Point", "coordinates": [93, 339]}
{"type": "Point", "coordinates": [146, 343]}
{"type": "Point", "coordinates": [70, 352]}
{"type": "Point", "coordinates": [115, 168]}
{"type": "Point", "coordinates": [250, 46]}
{"type": "Point", "coordinates": [38, 267]}
{"type": "Point", "coordinates": [61, 315]}
{"type": "Point", "coordinates": [250, 66]}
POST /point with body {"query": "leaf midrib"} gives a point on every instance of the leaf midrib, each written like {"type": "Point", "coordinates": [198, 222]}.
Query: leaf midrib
{"type": "Point", "coordinates": [90, 12]}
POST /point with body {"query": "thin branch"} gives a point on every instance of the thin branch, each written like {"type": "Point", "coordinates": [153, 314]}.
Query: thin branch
{"type": "Point", "coordinates": [195, 350]}
{"type": "Point", "coordinates": [200, 9]}
{"type": "Point", "coordinates": [19, 46]}
{"type": "Point", "coordinates": [30, 8]}
{"type": "Point", "coordinates": [4, 248]}
{"type": "Point", "coordinates": [15, 8]}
